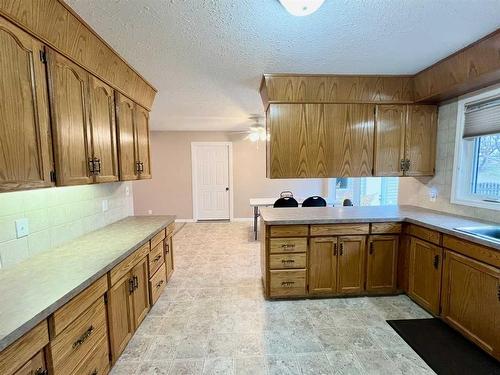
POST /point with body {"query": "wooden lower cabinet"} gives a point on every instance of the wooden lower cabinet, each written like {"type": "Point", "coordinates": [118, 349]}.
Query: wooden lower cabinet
{"type": "Point", "coordinates": [424, 274]}
{"type": "Point", "coordinates": [141, 291]}
{"type": "Point", "coordinates": [351, 264]}
{"type": "Point", "coordinates": [471, 300]}
{"type": "Point", "coordinates": [323, 265]}
{"type": "Point", "coordinates": [169, 256]}
{"type": "Point", "coordinates": [35, 366]}
{"type": "Point", "coordinates": [381, 264]}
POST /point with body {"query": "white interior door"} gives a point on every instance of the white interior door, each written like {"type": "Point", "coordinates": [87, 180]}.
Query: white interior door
{"type": "Point", "coordinates": [211, 181]}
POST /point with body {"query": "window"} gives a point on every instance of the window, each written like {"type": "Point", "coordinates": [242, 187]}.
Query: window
{"type": "Point", "coordinates": [369, 191]}
{"type": "Point", "coordinates": [476, 173]}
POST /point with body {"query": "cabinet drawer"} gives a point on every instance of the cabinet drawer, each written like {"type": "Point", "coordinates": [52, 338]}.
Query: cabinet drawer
{"type": "Point", "coordinates": [19, 353]}
{"type": "Point", "coordinates": [425, 234]}
{"type": "Point", "coordinates": [155, 259]}
{"type": "Point", "coordinates": [281, 261]}
{"type": "Point", "coordinates": [125, 266]}
{"type": "Point", "coordinates": [288, 230]}
{"type": "Point", "coordinates": [287, 283]}
{"type": "Point", "coordinates": [287, 245]}
{"type": "Point", "coordinates": [339, 229]}
{"type": "Point", "coordinates": [170, 229]}
{"type": "Point", "coordinates": [157, 283]}
{"type": "Point", "coordinates": [34, 366]}
{"type": "Point", "coordinates": [96, 362]}
{"type": "Point", "coordinates": [72, 345]}
{"type": "Point", "coordinates": [157, 238]}
{"type": "Point", "coordinates": [70, 311]}
{"type": "Point", "coordinates": [386, 228]}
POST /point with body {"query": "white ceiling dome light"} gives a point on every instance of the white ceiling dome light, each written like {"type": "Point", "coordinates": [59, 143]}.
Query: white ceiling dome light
{"type": "Point", "coordinates": [301, 7]}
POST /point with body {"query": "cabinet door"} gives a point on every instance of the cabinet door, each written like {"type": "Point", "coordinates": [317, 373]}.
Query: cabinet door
{"type": "Point", "coordinates": [323, 265]}
{"type": "Point", "coordinates": [350, 130]}
{"type": "Point", "coordinates": [351, 264]}
{"type": "Point", "coordinates": [120, 315]}
{"type": "Point", "coordinates": [35, 366]}
{"type": "Point", "coordinates": [471, 300]}
{"type": "Point", "coordinates": [25, 143]}
{"type": "Point", "coordinates": [70, 121]}
{"type": "Point", "coordinates": [169, 256]}
{"type": "Point", "coordinates": [142, 134]}
{"type": "Point", "coordinates": [421, 135]}
{"type": "Point", "coordinates": [390, 122]}
{"type": "Point", "coordinates": [382, 264]}
{"type": "Point", "coordinates": [140, 296]}
{"type": "Point", "coordinates": [102, 120]}
{"type": "Point", "coordinates": [424, 284]}
{"type": "Point", "coordinates": [127, 153]}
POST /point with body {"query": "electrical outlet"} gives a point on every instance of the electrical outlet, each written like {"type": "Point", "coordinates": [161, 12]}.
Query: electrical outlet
{"type": "Point", "coordinates": [150, 212]}
{"type": "Point", "coordinates": [22, 228]}
{"type": "Point", "coordinates": [105, 205]}
{"type": "Point", "coordinates": [433, 194]}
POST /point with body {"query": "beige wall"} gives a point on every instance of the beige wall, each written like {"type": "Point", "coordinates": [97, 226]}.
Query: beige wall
{"type": "Point", "coordinates": [415, 191]}
{"type": "Point", "coordinates": [169, 192]}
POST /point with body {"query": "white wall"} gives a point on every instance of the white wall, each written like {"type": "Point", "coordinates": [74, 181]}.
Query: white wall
{"type": "Point", "coordinates": [57, 215]}
{"type": "Point", "coordinates": [415, 191]}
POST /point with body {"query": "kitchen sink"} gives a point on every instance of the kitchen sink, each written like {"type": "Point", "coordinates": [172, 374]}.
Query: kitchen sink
{"type": "Point", "coordinates": [488, 232]}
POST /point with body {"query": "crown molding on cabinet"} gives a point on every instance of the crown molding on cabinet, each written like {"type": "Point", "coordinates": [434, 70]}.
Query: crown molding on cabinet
{"type": "Point", "coordinates": [54, 23]}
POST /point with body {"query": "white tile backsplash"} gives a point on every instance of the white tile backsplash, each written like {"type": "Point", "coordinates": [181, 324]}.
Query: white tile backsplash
{"type": "Point", "coordinates": [415, 191]}
{"type": "Point", "coordinates": [58, 215]}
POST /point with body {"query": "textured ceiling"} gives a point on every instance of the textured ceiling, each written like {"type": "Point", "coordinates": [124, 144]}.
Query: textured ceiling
{"type": "Point", "coordinates": [206, 57]}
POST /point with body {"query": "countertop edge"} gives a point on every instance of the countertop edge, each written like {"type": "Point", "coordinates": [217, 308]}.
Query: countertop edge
{"type": "Point", "coordinates": [10, 338]}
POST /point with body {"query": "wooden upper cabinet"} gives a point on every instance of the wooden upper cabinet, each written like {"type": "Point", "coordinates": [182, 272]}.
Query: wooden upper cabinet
{"type": "Point", "coordinates": [390, 123]}
{"type": "Point", "coordinates": [25, 142]}
{"type": "Point", "coordinates": [323, 265]}
{"type": "Point", "coordinates": [421, 134]}
{"type": "Point", "coordinates": [351, 264]}
{"type": "Point", "coordinates": [126, 138]}
{"type": "Point", "coordinates": [470, 300]}
{"type": "Point", "coordinates": [68, 87]}
{"type": "Point", "coordinates": [102, 119]}
{"type": "Point", "coordinates": [381, 264]}
{"type": "Point", "coordinates": [142, 136]}
{"type": "Point", "coordinates": [424, 283]}
{"type": "Point", "coordinates": [320, 140]}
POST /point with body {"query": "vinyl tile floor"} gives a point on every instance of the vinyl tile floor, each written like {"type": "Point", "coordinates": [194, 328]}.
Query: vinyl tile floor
{"type": "Point", "coordinates": [213, 319]}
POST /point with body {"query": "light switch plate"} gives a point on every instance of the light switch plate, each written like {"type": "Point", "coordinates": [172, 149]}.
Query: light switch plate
{"type": "Point", "coordinates": [127, 191]}
{"type": "Point", "coordinates": [22, 228]}
{"type": "Point", "coordinates": [105, 205]}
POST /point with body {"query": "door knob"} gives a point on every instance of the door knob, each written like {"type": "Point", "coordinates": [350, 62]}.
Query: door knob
{"type": "Point", "coordinates": [227, 189]}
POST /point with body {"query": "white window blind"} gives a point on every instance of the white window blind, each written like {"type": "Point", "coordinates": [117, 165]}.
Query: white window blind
{"type": "Point", "coordinates": [482, 118]}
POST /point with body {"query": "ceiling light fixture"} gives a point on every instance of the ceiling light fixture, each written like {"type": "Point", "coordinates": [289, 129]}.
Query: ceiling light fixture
{"type": "Point", "coordinates": [301, 7]}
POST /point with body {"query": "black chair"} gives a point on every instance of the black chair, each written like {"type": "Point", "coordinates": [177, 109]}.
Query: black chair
{"type": "Point", "coordinates": [314, 201]}
{"type": "Point", "coordinates": [286, 202]}
{"type": "Point", "coordinates": [347, 202]}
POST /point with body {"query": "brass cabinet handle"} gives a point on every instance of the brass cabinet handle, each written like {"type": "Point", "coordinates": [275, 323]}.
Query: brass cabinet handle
{"type": "Point", "coordinates": [287, 261]}
{"type": "Point", "coordinates": [131, 285]}
{"type": "Point", "coordinates": [97, 162]}
{"type": "Point", "coordinates": [157, 258]}
{"type": "Point", "coordinates": [83, 337]}
{"type": "Point", "coordinates": [159, 284]}
{"type": "Point", "coordinates": [335, 249]}
{"type": "Point", "coordinates": [402, 165]}
{"type": "Point", "coordinates": [287, 284]}
{"type": "Point", "coordinates": [138, 167]}
{"type": "Point", "coordinates": [288, 246]}
{"type": "Point", "coordinates": [91, 166]}
{"type": "Point", "coordinates": [136, 282]}
{"type": "Point", "coordinates": [95, 372]}
{"type": "Point", "coordinates": [41, 371]}
{"type": "Point", "coordinates": [436, 261]}
{"type": "Point", "coordinates": [341, 249]}
{"type": "Point", "coordinates": [372, 248]}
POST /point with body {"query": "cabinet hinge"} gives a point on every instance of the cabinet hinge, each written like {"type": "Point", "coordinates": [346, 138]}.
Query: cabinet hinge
{"type": "Point", "coordinates": [43, 57]}
{"type": "Point", "coordinates": [53, 176]}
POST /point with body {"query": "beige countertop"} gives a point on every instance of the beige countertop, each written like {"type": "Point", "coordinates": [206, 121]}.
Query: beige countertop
{"type": "Point", "coordinates": [38, 286]}
{"type": "Point", "coordinates": [439, 221]}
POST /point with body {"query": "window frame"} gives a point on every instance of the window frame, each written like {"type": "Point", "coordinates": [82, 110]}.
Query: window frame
{"type": "Point", "coordinates": [463, 171]}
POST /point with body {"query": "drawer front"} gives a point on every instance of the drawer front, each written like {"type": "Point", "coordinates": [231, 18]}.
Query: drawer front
{"type": "Point", "coordinates": [287, 245]}
{"type": "Point", "coordinates": [170, 229]}
{"type": "Point", "coordinates": [157, 238]}
{"type": "Point", "coordinates": [288, 230]}
{"type": "Point", "coordinates": [484, 254]}
{"type": "Point", "coordinates": [386, 228]}
{"type": "Point", "coordinates": [96, 362]}
{"type": "Point", "coordinates": [283, 261]}
{"type": "Point", "coordinates": [426, 234]}
{"type": "Point", "coordinates": [157, 284]}
{"type": "Point", "coordinates": [34, 366]}
{"type": "Point", "coordinates": [339, 229]}
{"type": "Point", "coordinates": [16, 355]}
{"type": "Point", "coordinates": [155, 259]}
{"type": "Point", "coordinates": [287, 283]}
{"type": "Point", "coordinates": [74, 344]}
{"type": "Point", "coordinates": [70, 311]}
{"type": "Point", "coordinates": [126, 266]}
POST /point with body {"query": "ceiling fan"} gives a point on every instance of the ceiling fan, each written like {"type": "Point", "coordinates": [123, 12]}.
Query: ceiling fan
{"type": "Point", "coordinates": [256, 131]}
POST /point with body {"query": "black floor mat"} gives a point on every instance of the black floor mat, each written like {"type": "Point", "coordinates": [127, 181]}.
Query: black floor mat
{"type": "Point", "coordinates": [445, 350]}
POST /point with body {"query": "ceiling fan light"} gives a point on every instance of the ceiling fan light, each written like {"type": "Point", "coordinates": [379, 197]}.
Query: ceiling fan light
{"type": "Point", "coordinates": [301, 8]}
